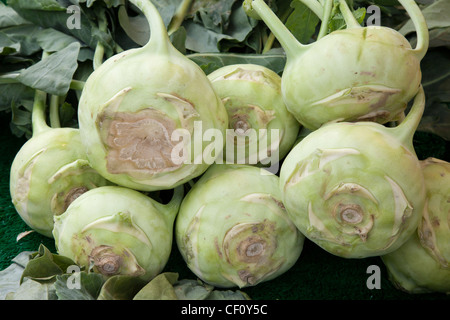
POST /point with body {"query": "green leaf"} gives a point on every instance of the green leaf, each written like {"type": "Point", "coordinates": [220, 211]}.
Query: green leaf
{"type": "Point", "coordinates": [337, 21]}
{"type": "Point", "coordinates": [302, 22]}
{"type": "Point", "coordinates": [10, 277]}
{"type": "Point", "coordinates": [188, 289]}
{"type": "Point", "coordinates": [25, 36]}
{"type": "Point", "coordinates": [45, 265]}
{"type": "Point", "coordinates": [20, 117]}
{"type": "Point", "coordinates": [33, 290]}
{"type": "Point", "coordinates": [159, 288]}
{"type": "Point", "coordinates": [121, 287]}
{"type": "Point", "coordinates": [66, 114]}
{"type": "Point", "coordinates": [53, 74]}
{"type": "Point", "coordinates": [178, 39]}
{"type": "Point", "coordinates": [435, 68]}
{"type": "Point", "coordinates": [436, 15]}
{"type": "Point", "coordinates": [136, 27]}
{"type": "Point", "coordinates": [213, 15]}
{"type": "Point", "coordinates": [7, 45]}
{"type": "Point", "coordinates": [239, 25]}
{"type": "Point", "coordinates": [14, 93]}
{"type": "Point", "coordinates": [51, 40]}
{"type": "Point", "coordinates": [201, 39]}
{"type": "Point", "coordinates": [83, 286]}
{"type": "Point", "coordinates": [50, 5]}
{"type": "Point", "coordinates": [8, 17]}
{"type": "Point", "coordinates": [50, 14]}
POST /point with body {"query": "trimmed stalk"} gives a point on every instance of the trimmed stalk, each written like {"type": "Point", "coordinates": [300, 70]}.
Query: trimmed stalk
{"type": "Point", "coordinates": [54, 112]}
{"type": "Point", "coordinates": [38, 118]}
{"type": "Point", "coordinates": [350, 20]}
{"type": "Point", "coordinates": [421, 26]}
{"type": "Point", "coordinates": [281, 32]}
{"type": "Point", "coordinates": [180, 14]}
{"type": "Point", "coordinates": [159, 39]}
{"type": "Point", "coordinates": [325, 19]}
{"type": "Point", "coordinates": [406, 129]}
{"type": "Point", "coordinates": [100, 48]}
{"type": "Point", "coordinates": [315, 7]}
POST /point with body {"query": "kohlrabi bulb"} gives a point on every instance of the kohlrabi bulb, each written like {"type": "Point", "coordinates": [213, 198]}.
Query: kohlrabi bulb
{"type": "Point", "coordinates": [232, 228]}
{"type": "Point", "coordinates": [49, 172]}
{"type": "Point", "coordinates": [138, 111]}
{"type": "Point", "coordinates": [355, 74]}
{"type": "Point", "coordinates": [118, 231]}
{"type": "Point", "coordinates": [356, 188]}
{"type": "Point", "coordinates": [422, 264]}
{"type": "Point", "coordinates": [261, 130]}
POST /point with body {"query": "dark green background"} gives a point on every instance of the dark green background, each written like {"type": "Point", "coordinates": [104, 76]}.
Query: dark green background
{"type": "Point", "coordinates": [316, 275]}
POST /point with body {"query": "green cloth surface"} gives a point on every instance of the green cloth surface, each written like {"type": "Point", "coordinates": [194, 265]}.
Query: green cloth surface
{"type": "Point", "coordinates": [316, 275]}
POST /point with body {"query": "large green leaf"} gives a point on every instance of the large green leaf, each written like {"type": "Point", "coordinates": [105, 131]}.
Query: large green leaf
{"type": "Point", "coordinates": [50, 14]}
{"type": "Point", "coordinates": [10, 277]}
{"type": "Point", "coordinates": [53, 74]}
{"type": "Point", "coordinates": [302, 22]}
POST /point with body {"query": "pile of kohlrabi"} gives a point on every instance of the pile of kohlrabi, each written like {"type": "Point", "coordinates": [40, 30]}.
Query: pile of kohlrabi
{"type": "Point", "coordinates": [238, 167]}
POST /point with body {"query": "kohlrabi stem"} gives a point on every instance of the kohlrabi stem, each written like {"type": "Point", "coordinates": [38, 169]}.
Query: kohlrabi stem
{"type": "Point", "coordinates": [158, 33]}
{"type": "Point", "coordinates": [172, 208]}
{"type": "Point", "coordinates": [314, 6]}
{"type": "Point", "coordinates": [325, 19]}
{"type": "Point", "coordinates": [271, 38]}
{"type": "Point", "coordinates": [118, 48]}
{"type": "Point", "coordinates": [406, 129]}
{"type": "Point", "coordinates": [421, 27]}
{"type": "Point", "coordinates": [349, 18]}
{"type": "Point", "coordinates": [38, 118]}
{"type": "Point", "coordinates": [98, 55]}
{"type": "Point", "coordinates": [287, 40]}
{"type": "Point", "coordinates": [100, 48]}
{"type": "Point", "coordinates": [77, 84]}
{"type": "Point", "coordinates": [179, 16]}
{"type": "Point", "coordinates": [54, 112]}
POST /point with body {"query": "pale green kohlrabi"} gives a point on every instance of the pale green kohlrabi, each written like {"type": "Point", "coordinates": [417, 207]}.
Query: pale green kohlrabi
{"type": "Point", "coordinates": [356, 188]}
{"type": "Point", "coordinates": [118, 231]}
{"type": "Point", "coordinates": [232, 228]}
{"type": "Point", "coordinates": [143, 113]}
{"type": "Point", "coordinates": [261, 130]}
{"type": "Point", "coordinates": [422, 264]}
{"type": "Point", "coordinates": [49, 171]}
{"type": "Point", "coordinates": [354, 74]}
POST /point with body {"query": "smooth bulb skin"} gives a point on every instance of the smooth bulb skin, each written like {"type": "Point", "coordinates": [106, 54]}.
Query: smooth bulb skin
{"type": "Point", "coordinates": [118, 231]}
{"type": "Point", "coordinates": [259, 123]}
{"type": "Point", "coordinates": [133, 105]}
{"type": "Point", "coordinates": [339, 192]}
{"type": "Point", "coordinates": [422, 264]}
{"type": "Point", "coordinates": [356, 74]}
{"type": "Point", "coordinates": [47, 174]}
{"type": "Point", "coordinates": [232, 228]}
